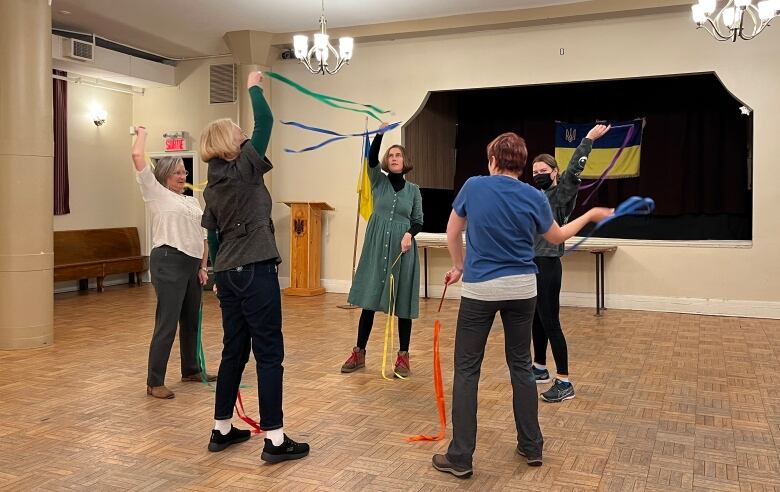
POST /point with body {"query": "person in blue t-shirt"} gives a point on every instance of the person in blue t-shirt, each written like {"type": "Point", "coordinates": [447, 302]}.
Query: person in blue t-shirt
{"type": "Point", "coordinates": [502, 216]}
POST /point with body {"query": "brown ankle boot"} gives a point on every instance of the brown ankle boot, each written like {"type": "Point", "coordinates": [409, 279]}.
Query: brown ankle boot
{"type": "Point", "coordinates": [198, 378]}
{"type": "Point", "coordinates": [402, 367]}
{"type": "Point", "coordinates": [356, 361]}
{"type": "Point", "coordinates": [159, 392]}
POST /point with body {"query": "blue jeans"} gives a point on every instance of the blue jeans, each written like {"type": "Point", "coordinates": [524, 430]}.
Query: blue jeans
{"type": "Point", "coordinates": [251, 318]}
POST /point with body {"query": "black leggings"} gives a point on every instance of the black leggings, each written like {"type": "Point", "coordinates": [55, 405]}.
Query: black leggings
{"type": "Point", "coordinates": [367, 322]}
{"type": "Point", "coordinates": [547, 323]}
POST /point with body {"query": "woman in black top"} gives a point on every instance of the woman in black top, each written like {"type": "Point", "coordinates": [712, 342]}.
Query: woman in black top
{"type": "Point", "coordinates": [561, 191]}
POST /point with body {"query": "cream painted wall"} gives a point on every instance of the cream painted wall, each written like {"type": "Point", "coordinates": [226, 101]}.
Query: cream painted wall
{"type": "Point", "coordinates": [102, 184]}
{"type": "Point", "coordinates": [398, 74]}
{"type": "Point", "coordinates": [101, 179]}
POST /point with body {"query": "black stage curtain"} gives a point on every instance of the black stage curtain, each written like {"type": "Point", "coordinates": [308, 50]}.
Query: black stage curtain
{"type": "Point", "coordinates": [696, 148]}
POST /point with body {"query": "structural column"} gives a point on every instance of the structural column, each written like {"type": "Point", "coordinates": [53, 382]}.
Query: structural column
{"type": "Point", "coordinates": [26, 175]}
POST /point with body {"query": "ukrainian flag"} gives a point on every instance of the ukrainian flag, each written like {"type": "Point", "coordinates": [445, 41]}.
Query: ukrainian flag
{"type": "Point", "coordinates": [569, 135]}
{"type": "Point", "coordinates": [366, 201]}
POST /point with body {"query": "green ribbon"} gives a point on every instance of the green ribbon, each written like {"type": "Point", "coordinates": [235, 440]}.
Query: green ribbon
{"type": "Point", "coordinates": [372, 111]}
{"type": "Point", "coordinates": [200, 357]}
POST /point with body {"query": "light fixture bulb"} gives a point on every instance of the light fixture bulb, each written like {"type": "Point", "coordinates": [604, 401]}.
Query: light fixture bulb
{"type": "Point", "coordinates": [707, 6]}
{"type": "Point", "coordinates": [321, 41]}
{"type": "Point", "coordinates": [346, 46]}
{"type": "Point", "coordinates": [766, 11]}
{"type": "Point", "coordinates": [301, 45]}
{"type": "Point", "coordinates": [698, 14]}
{"type": "Point", "coordinates": [729, 15]}
{"type": "Point", "coordinates": [98, 115]}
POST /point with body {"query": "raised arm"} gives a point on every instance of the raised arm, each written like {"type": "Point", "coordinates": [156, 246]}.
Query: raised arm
{"type": "Point", "coordinates": [557, 234]}
{"type": "Point", "coordinates": [139, 160]}
{"type": "Point", "coordinates": [569, 183]}
{"type": "Point", "coordinates": [263, 117]}
{"type": "Point", "coordinates": [373, 151]}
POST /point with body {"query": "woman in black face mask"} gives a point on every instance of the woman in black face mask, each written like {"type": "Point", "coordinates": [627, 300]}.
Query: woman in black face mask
{"type": "Point", "coordinates": [561, 191]}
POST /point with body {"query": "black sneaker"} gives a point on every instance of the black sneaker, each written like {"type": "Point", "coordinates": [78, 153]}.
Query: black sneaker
{"type": "Point", "coordinates": [441, 463]}
{"type": "Point", "coordinates": [540, 375]}
{"type": "Point", "coordinates": [288, 450]}
{"type": "Point", "coordinates": [558, 392]}
{"type": "Point", "coordinates": [533, 461]}
{"type": "Point", "coordinates": [219, 442]}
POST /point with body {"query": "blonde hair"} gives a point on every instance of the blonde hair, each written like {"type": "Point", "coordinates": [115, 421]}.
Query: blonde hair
{"type": "Point", "coordinates": [217, 141]}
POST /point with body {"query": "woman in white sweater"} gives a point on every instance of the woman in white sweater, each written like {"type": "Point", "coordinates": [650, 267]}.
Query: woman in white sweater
{"type": "Point", "coordinates": [177, 264]}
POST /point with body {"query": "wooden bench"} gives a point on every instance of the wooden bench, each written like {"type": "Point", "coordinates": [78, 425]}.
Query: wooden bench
{"type": "Point", "coordinates": [81, 255]}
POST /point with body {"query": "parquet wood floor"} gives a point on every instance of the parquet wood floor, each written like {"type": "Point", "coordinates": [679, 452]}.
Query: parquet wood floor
{"type": "Point", "coordinates": [664, 402]}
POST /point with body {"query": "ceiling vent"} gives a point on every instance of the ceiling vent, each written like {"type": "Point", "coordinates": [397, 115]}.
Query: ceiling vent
{"type": "Point", "coordinates": [77, 49]}
{"type": "Point", "coordinates": [222, 83]}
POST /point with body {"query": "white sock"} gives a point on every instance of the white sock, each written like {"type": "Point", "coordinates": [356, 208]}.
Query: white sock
{"type": "Point", "coordinates": [540, 367]}
{"type": "Point", "coordinates": [565, 379]}
{"type": "Point", "coordinates": [223, 426]}
{"type": "Point", "coordinates": [276, 436]}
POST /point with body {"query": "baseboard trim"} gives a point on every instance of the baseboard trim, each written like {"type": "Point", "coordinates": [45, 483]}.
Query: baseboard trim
{"type": "Point", "coordinates": [683, 305]}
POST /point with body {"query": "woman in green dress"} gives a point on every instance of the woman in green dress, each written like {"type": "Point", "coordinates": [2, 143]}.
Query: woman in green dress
{"type": "Point", "coordinates": [396, 219]}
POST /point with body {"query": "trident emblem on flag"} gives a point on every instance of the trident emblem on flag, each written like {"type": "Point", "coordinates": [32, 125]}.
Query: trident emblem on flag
{"type": "Point", "coordinates": [571, 134]}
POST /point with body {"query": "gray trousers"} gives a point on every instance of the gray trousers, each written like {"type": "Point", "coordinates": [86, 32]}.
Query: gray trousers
{"type": "Point", "coordinates": [475, 319]}
{"type": "Point", "coordinates": [175, 280]}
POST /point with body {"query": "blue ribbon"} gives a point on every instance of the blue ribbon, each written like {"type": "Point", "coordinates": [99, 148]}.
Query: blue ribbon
{"type": "Point", "coordinates": [336, 135]}
{"type": "Point", "coordinates": [633, 206]}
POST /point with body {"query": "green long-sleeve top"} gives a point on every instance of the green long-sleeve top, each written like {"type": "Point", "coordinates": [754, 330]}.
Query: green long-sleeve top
{"type": "Point", "coordinates": [261, 136]}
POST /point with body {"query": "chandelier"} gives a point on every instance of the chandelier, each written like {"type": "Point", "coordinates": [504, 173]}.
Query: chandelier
{"type": "Point", "coordinates": [316, 58]}
{"type": "Point", "coordinates": [734, 20]}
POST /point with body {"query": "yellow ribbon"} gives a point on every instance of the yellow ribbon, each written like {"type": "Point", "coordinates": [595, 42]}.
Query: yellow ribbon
{"type": "Point", "coordinates": [199, 187]}
{"type": "Point", "coordinates": [390, 324]}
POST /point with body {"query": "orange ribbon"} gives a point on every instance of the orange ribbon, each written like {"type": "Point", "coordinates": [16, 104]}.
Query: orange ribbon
{"type": "Point", "coordinates": [437, 383]}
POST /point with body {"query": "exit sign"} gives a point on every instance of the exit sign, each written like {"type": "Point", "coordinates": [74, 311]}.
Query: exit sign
{"type": "Point", "coordinates": [173, 144]}
{"type": "Point", "coordinates": [175, 141]}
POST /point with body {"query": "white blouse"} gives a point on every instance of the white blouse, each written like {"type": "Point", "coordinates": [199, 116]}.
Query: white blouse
{"type": "Point", "coordinates": [175, 217]}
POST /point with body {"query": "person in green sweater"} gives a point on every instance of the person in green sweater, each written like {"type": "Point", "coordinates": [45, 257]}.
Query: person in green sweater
{"type": "Point", "coordinates": [238, 210]}
{"type": "Point", "coordinates": [396, 219]}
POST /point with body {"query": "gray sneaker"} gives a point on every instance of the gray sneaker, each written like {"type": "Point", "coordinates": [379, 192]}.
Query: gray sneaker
{"type": "Point", "coordinates": [533, 461]}
{"type": "Point", "coordinates": [558, 392]}
{"type": "Point", "coordinates": [540, 375]}
{"type": "Point", "coordinates": [441, 463]}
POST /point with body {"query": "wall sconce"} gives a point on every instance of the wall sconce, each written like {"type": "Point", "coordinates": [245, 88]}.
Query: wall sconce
{"type": "Point", "coordinates": [98, 115]}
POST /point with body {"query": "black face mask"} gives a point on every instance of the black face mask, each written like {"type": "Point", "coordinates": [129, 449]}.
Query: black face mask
{"type": "Point", "coordinates": [543, 181]}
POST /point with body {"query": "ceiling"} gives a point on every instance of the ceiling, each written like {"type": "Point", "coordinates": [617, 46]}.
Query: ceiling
{"type": "Point", "coordinates": [187, 28]}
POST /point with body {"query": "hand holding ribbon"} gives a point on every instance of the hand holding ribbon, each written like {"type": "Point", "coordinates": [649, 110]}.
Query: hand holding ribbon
{"type": "Point", "coordinates": [633, 206]}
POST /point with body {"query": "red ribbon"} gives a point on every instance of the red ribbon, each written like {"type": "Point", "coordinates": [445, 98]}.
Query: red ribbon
{"type": "Point", "coordinates": [242, 415]}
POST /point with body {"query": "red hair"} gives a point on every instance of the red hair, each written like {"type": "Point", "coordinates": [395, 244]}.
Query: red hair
{"type": "Point", "coordinates": [509, 151]}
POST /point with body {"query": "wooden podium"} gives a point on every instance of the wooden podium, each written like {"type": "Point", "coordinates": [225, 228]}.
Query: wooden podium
{"type": "Point", "coordinates": [305, 248]}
